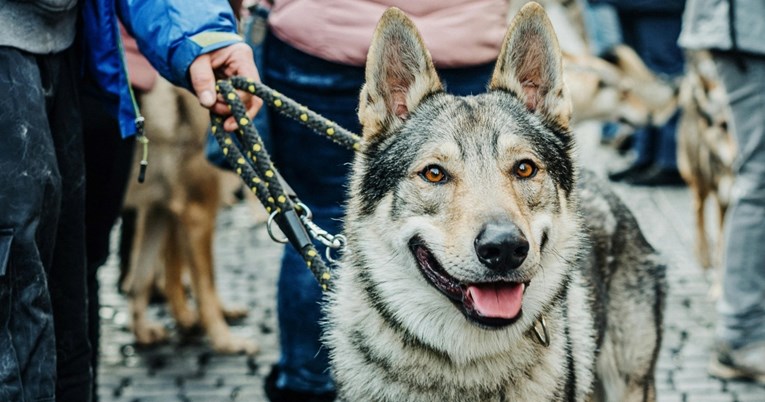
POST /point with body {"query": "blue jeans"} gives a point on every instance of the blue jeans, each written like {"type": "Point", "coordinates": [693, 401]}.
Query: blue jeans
{"type": "Point", "coordinates": [654, 38]}
{"type": "Point", "coordinates": [605, 32]}
{"type": "Point", "coordinates": [657, 145]}
{"type": "Point", "coordinates": [602, 25]}
{"type": "Point", "coordinates": [317, 170]}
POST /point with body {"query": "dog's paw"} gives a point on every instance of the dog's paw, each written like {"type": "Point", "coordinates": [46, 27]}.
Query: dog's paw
{"type": "Point", "coordinates": [715, 285]}
{"type": "Point", "coordinates": [235, 345]}
{"type": "Point", "coordinates": [187, 320]}
{"type": "Point", "coordinates": [715, 292]}
{"type": "Point", "coordinates": [150, 333]}
{"type": "Point", "coordinates": [237, 313]}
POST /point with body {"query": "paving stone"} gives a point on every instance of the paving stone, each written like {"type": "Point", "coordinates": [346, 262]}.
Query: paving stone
{"type": "Point", "coordinates": [709, 397]}
{"type": "Point", "coordinates": [671, 397]}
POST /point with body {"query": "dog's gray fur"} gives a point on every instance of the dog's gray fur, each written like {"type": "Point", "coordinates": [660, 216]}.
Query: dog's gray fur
{"type": "Point", "coordinates": [592, 277]}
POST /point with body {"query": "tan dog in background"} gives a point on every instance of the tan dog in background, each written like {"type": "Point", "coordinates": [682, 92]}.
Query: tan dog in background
{"type": "Point", "coordinates": [705, 150]}
{"type": "Point", "coordinates": [176, 209]}
{"type": "Point", "coordinates": [619, 88]}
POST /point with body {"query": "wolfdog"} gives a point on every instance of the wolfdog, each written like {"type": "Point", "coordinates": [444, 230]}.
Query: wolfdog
{"type": "Point", "coordinates": [480, 265]}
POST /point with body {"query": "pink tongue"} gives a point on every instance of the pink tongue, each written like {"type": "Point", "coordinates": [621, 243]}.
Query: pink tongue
{"type": "Point", "coordinates": [497, 300]}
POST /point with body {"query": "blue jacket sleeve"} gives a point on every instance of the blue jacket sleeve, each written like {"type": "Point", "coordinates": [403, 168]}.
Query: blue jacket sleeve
{"type": "Point", "coordinates": [172, 33]}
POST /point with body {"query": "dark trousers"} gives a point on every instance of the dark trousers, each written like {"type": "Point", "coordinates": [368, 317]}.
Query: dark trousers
{"type": "Point", "coordinates": [44, 348]}
{"type": "Point", "coordinates": [107, 168]}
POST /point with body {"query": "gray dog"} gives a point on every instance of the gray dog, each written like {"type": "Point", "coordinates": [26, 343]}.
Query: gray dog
{"type": "Point", "coordinates": [481, 266]}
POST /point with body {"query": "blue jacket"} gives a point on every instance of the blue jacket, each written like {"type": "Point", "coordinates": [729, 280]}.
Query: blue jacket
{"type": "Point", "coordinates": [170, 33]}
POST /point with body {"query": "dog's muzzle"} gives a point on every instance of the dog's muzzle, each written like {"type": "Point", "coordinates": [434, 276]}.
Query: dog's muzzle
{"type": "Point", "coordinates": [491, 304]}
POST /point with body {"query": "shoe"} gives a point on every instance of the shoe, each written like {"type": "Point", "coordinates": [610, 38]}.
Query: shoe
{"type": "Point", "coordinates": [747, 363]}
{"type": "Point", "coordinates": [275, 394]}
{"type": "Point", "coordinates": [656, 176]}
{"type": "Point", "coordinates": [629, 171]}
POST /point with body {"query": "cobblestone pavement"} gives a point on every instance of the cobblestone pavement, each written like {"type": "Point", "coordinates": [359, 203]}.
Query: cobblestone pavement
{"type": "Point", "coordinates": [185, 369]}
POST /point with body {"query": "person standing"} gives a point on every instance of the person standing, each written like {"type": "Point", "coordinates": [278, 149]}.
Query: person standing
{"type": "Point", "coordinates": [45, 46]}
{"type": "Point", "coordinates": [733, 30]}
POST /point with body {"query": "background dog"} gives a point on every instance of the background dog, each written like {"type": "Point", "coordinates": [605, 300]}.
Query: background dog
{"type": "Point", "coordinates": [705, 151]}
{"type": "Point", "coordinates": [480, 266]}
{"type": "Point", "coordinates": [175, 211]}
{"type": "Point", "coordinates": [618, 87]}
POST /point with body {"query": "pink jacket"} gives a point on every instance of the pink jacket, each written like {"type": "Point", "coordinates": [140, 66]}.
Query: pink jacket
{"type": "Point", "coordinates": [458, 33]}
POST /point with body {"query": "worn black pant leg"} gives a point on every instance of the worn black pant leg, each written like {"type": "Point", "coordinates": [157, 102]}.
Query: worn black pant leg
{"type": "Point", "coordinates": [30, 199]}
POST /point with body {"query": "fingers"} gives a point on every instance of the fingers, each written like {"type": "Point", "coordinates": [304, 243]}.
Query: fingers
{"type": "Point", "coordinates": [239, 61]}
{"type": "Point", "coordinates": [252, 103]}
{"type": "Point", "coordinates": [230, 124]}
{"type": "Point", "coordinates": [203, 80]}
{"type": "Point", "coordinates": [233, 60]}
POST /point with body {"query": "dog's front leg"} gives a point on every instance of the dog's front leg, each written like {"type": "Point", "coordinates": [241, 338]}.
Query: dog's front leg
{"type": "Point", "coordinates": [174, 289]}
{"type": "Point", "coordinates": [702, 243]}
{"type": "Point", "coordinates": [151, 225]}
{"type": "Point", "coordinates": [198, 230]}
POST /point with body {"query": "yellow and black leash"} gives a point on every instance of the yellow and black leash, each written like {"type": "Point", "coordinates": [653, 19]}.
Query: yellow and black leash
{"type": "Point", "coordinates": [245, 152]}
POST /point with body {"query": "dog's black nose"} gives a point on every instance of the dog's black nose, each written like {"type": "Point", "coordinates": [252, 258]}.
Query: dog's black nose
{"type": "Point", "coordinates": [501, 246]}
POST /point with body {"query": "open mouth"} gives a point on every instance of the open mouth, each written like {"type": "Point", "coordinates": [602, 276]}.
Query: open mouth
{"type": "Point", "coordinates": [490, 304]}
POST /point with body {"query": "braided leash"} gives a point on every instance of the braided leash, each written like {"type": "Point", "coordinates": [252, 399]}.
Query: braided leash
{"type": "Point", "coordinates": [296, 111]}
{"type": "Point", "coordinates": [259, 174]}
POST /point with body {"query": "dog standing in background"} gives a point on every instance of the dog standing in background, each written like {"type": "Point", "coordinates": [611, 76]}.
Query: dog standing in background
{"type": "Point", "coordinates": [619, 87]}
{"type": "Point", "coordinates": [176, 209]}
{"type": "Point", "coordinates": [482, 265]}
{"type": "Point", "coordinates": [705, 152]}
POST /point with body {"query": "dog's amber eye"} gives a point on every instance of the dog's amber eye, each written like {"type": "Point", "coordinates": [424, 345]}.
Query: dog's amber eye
{"type": "Point", "coordinates": [525, 169]}
{"type": "Point", "coordinates": [433, 174]}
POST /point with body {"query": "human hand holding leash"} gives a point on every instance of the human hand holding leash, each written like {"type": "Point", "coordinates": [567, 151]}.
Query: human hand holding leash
{"type": "Point", "coordinates": [226, 62]}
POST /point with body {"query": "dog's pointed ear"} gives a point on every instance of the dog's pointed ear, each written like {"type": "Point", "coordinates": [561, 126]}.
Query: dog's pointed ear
{"type": "Point", "coordinates": [530, 65]}
{"type": "Point", "coordinates": [399, 74]}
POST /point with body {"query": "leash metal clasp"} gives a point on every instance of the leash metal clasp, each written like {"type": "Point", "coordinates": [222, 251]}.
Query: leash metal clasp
{"type": "Point", "coordinates": [330, 241]}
